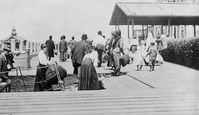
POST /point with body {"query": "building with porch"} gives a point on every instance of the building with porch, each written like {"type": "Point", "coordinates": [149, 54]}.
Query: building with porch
{"type": "Point", "coordinates": [18, 44]}
{"type": "Point", "coordinates": [175, 18]}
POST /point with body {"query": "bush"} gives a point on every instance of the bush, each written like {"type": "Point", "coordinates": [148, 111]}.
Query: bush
{"type": "Point", "coordinates": [183, 51]}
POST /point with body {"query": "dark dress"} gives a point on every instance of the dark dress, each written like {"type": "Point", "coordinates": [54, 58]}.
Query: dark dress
{"type": "Point", "coordinates": [46, 77]}
{"type": "Point", "coordinates": [88, 76]}
{"type": "Point", "coordinates": [50, 48]}
{"type": "Point", "coordinates": [40, 78]}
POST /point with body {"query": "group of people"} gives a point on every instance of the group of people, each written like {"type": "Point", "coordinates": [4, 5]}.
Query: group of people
{"type": "Point", "coordinates": [86, 55]}
{"type": "Point", "coordinates": [146, 52]}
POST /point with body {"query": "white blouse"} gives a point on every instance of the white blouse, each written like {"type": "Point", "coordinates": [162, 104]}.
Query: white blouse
{"type": "Point", "coordinates": [43, 58]}
{"type": "Point", "coordinates": [93, 56]}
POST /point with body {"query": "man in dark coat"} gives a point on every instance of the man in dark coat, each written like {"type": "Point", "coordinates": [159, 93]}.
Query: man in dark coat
{"type": "Point", "coordinates": [4, 81]}
{"type": "Point", "coordinates": [50, 47]}
{"type": "Point", "coordinates": [63, 48]}
{"type": "Point", "coordinates": [78, 53]}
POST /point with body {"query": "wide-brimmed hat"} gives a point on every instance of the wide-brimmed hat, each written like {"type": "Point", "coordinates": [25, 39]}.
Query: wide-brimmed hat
{"type": "Point", "coordinates": [43, 46]}
{"type": "Point", "coordinates": [84, 36]}
{"type": "Point", "coordinates": [7, 49]}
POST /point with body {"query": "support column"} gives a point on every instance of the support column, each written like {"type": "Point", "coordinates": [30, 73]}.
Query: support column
{"type": "Point", "coordinates": [115, 27]}
{"type": "Point", "coordinates": [147, 31]}
{"type": "Point", "coordinates": [143, 32]}
{"type": "Point", "coordinates": [169, 22]}
{"type": "Point", "coordinates": [194, 30]}
{"type": "Point", "coordinates": [132, 28]}
{"type": "Point", "coordinates": [13, 45]}
{"type": "Point", "coordinates": [21, 45]}
{"type": "Point", "coordinates": [161, 31]}
{"type": "Point", "coordinates": [128, 28]}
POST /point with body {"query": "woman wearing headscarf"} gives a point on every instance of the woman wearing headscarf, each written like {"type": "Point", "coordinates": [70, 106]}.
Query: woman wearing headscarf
{"type": "Point", "coordinates": [88, 75]}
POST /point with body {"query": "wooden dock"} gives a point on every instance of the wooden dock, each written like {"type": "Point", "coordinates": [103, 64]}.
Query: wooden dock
{"type": "Point", "coordinates": [100, 103]}
{"type": "Point", "coordinates": [170, 90]}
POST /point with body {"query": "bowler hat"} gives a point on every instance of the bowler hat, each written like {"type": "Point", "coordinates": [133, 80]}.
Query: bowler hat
{"type": "Point", "coordinates": [43, 46]}
{"type": "Point", "coordinates": [84, 36]}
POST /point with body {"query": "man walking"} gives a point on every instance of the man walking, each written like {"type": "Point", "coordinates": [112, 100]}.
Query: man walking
{"type": "Point", "coordinates": [78, 52]}
{"type": "Point", "coordinates": [50, 47]}
{"type": "Point", "coordinates": [63, 48]}
{"type": "Point", "coordinates": [99, 42]}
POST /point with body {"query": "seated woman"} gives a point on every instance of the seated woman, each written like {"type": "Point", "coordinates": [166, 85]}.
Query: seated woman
{"type": "Point", "coordinates": [46, 76]}
{"type": "Point", "coordinates": [88, 75]}
{"type": "Point", "coordinates": [42, 67]}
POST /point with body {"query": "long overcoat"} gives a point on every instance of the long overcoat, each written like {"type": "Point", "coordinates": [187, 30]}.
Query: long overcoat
{"type": "Point", "coordinates": [50, 48]}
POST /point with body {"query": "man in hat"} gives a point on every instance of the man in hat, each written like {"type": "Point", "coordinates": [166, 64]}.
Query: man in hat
{"type": "Point", "coordinates": [50, 47]}
{"type": "Point", "coordinates": [78, 53]}
{"type": "Point", "coordinates": [63, 48]}
{"type": "Point", "coordinates": [4, 81]}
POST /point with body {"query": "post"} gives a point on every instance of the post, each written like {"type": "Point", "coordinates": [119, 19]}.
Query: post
{"type": "Point", "coordinates": [21, 45]}
{"type": "Point", "coordinates": [143, 32]}
{"type": "Point", "coordinates": [132, 28]}
{"type": "Point", "coordinates": [12, 44]}
{"type": "Point", "coordinates": [169, 21]}
{"type": "Point", "coordinates": [194, 30]}
{"type": "Point", "coordinates": [161, 29]}
{"type": "Point", "coordinates": [128, 27]}
{"type": "Point", "coordinates": [147, 31]}
{"type": "Point", "coordinates": [28, 58]}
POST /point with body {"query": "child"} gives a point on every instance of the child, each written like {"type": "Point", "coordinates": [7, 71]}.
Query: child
{"type": "Point", "coordinates": [139, 56]}
{"type": "Point", "coordinates": [152, 52]}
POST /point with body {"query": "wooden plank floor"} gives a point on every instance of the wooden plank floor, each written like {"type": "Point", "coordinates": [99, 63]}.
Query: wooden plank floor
{"type": "Point", "coordinates": [100, 102]}
{"type": "Point", "coordinates": [170, 90]}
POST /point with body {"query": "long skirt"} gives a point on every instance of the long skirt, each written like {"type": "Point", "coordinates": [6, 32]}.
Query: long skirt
{"type": "Point", "coordinates": [40, 78]}
{"type": "Point", "coordinates": [88, 76]}
{"type": "Point", "coordinates": [46, 77]}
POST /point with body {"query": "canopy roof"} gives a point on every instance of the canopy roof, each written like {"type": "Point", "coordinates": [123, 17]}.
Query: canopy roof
{"type": "Point", "coordinates": [155, 13]}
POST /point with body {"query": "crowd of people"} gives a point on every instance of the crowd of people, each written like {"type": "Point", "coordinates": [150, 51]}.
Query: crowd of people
{"type": "Point", "coordinates": [87, 55]}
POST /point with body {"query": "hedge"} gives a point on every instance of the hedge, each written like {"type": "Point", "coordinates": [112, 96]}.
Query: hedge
{"type": "Point", "coordinates": [183, 51]}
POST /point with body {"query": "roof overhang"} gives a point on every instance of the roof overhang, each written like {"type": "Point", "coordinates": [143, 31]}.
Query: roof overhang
{"type": "Point", "coordinates": [155, 13]}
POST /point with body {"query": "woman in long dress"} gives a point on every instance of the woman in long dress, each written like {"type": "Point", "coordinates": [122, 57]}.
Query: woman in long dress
{"type": "Point", "coordinates": [40, 84]}
{"type": "Point", "coordinates": [88, 75]}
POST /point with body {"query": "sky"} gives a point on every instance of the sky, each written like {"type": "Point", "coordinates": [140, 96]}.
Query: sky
{"type": "Point", "coordinates": [35, 20]}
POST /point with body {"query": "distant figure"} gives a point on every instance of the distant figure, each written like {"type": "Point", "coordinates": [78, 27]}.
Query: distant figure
{"type": "Point", "coordinates": [72, 42]}
{"type": "Point", "coordinates": [149, 39]}
{"type": "Point", "coordinates": [63, 48]}
{"type": "Point", "coordinates": [4, 80]}
{"type": "Point", "coordinates": [50, 47]}
{"type": "Point", "coordinates": [99, 42]}
{"type": "Point", "coordinates": [152, 52]}
{"type": "Point", "coordinates": [78, 52]}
